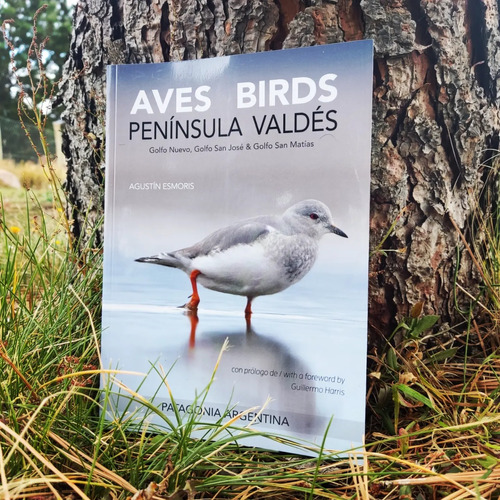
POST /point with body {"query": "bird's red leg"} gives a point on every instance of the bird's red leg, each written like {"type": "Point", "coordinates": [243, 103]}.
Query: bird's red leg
{"type": "Point", "coordinates": [248, 313]}
{"type": "Point", "coordinates": [195, 298]}
{"type": "Point", "coordinates": [248, 308]}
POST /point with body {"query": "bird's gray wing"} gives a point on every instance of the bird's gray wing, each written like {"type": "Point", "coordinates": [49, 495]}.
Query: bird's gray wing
{"type": "Point", "coordinates": [241, 233]}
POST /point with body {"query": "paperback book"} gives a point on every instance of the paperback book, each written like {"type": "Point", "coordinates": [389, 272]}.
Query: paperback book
{"type": "Point", "coordinates": [237, 213]}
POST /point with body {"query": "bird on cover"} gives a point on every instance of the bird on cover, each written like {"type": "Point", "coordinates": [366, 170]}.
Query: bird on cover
{"type": "Point", "coordinates": [258, 256]}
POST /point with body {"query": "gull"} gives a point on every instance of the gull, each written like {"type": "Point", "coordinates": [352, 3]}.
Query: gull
{"type": "Point", "coordinates": [253, 257]}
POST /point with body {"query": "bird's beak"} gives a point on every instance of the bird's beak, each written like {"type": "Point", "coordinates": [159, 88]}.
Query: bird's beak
{"type": "Point", "coordinates": [338, 231]}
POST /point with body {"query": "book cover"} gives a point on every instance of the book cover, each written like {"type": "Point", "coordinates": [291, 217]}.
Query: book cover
{"type": "Point", "coordinates": [238, 187]}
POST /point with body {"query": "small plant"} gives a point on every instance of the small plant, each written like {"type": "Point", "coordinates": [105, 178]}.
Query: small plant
{"type": "Point", "coordinates": [415, 324]}
{"type": "Point", "coordinates": [485, 249]}
{"type": "Point", "coordinates": [379, 249]}
{"type": "Point", "coordinates": [35, 93]}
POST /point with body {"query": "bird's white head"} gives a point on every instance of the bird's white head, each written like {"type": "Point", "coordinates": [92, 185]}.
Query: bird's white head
{"type": "Point", "coordinates": [313, 218]}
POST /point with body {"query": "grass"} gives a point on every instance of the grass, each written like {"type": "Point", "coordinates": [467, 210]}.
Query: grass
{"type": "Point", "coordinates": [30, 175]}
{"type": "Point", "coordinates": [432, 403]}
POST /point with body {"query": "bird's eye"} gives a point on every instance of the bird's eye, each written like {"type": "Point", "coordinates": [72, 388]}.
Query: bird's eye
{"type": "Point", "coordinates": [313, 216]}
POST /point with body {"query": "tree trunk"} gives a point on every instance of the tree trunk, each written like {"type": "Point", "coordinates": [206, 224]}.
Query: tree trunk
{"type": "Point", "coordinates": [435, 114]}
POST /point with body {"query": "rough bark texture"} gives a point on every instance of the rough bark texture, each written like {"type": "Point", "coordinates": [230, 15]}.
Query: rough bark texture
{"type": "Point", "coordinates": [435, 115]}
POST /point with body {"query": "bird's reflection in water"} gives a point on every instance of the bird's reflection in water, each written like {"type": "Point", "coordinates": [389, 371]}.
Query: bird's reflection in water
{"type": "Point", "coordinates": [254, 367]}
{"type": "Point", "coordinates": [192, 315]}
{"type": "Point", "coordinates": [193, 321]}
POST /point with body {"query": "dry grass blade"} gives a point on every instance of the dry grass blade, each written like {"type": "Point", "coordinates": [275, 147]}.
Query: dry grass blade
{"type": "Point", "coordinates": [480, 476]}
{"type": "Point", "coordinates": [5, 357]}
{"type": "Point", "coordinates": [482, 491]}
{"type": "Point", "coordinates": [18, 440]}
{"type": "Point", "coordinates": [25, 488]}
{"type": "Point", "coordinates": [479, 484]}
{"type": "Point", "coordinates": [491, 286]}
{"type": "Point", "coordinates": [460, 481]}
{"type": "Point", "coordinates": [82, 459]}
{"type": "Point", "coordinates": [3, 476]}
{"type": "Point", "coordinates": [18, 488]}
{"type": "Point", "coordinates": [91, 322]}
{"type": "Point", "coordinates": [360, 480]}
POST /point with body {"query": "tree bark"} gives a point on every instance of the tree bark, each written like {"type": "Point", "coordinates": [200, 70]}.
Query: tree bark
{"type": "Point", "coordinates": [435, 114]}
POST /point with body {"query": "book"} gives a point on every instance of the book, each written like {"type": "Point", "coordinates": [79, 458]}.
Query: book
{"type": "Point", "coordinates": [257, 168]}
